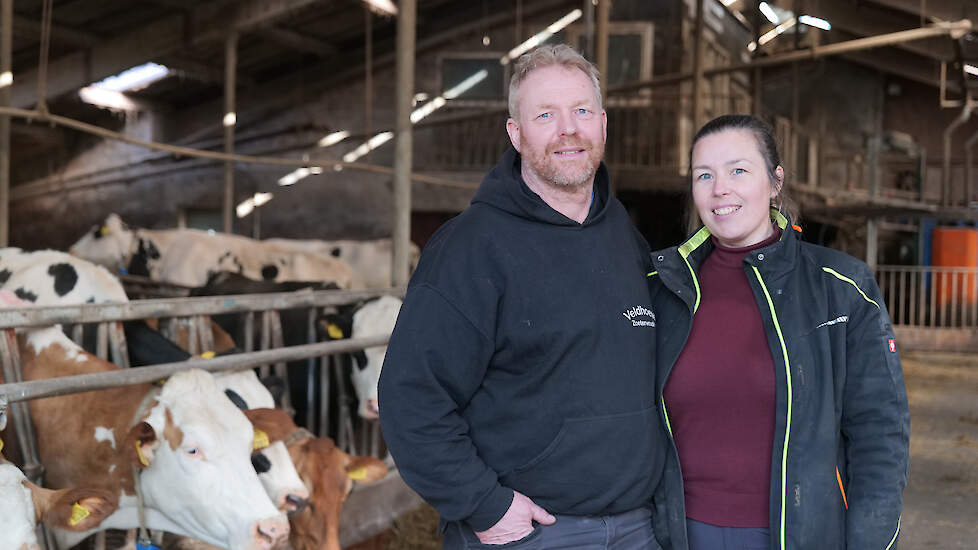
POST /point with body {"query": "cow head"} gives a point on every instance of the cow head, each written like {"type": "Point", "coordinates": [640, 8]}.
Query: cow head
{"type": "Point", "coordinates": [194, 450]}
{"type": "Point", "coordinates": [108, 244]}
{"type": "Point", "coordinates": [23, 505]}
{"type": "Point", "coordinates": [330, 474]}
{"type": "Point", "coordinates": [374, 318]}
{"type": "Point", "coordinates": [270, 458]}
{"type": "Point", "coordinates": [327, 471]}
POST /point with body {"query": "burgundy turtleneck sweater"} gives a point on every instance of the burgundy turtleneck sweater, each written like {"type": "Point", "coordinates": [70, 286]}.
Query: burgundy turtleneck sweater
{"type": "Point", "coordinates": [721, 398]}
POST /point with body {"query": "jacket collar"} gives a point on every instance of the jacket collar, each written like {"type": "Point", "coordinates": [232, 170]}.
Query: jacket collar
{"type": "Point", "coordinates": [677, 266]}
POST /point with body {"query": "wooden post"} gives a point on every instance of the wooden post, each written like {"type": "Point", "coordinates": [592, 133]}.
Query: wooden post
{"type": "Point", "coordinates": [697, 117]}
{"type": "Point", "coordinates": [872, 242]}
{"type": "Point", "coordinates": [368, 75]}
{"type": "Point", "coordinates": [601, 41]}
{"type": "Point", "coordinates": [406, 22]}
{"type": "Point", "coordinates": [230, 119]}
{"type": "Point", "coordinates": [756, 30]}
{"type": "Point", "coordinates": [6, 67]}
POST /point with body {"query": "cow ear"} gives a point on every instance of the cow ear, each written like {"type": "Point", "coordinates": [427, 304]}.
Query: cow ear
{"type": "Point", "coordinates": [140, 444]}
{"type": "Point", "coordinates": [365, 469]}
{"type": "Point", "coordinates": [336, 326]}
{"type": "Point", "coordinates": [80, 509]}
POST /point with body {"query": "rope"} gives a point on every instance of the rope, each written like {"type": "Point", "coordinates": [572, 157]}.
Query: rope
{"type": "Point", "coordinates": [148, 401]}
{"type": "Point", "coordinates": [42, 64]}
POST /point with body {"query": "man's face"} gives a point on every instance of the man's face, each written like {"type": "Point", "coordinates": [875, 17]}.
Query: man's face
{"type": "Point", "coordinates": [561, 129]}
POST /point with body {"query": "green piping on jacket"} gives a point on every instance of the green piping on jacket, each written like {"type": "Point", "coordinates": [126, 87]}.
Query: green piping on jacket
{"type": "Point", "coordinates": [787, 371]}
{"type": "Point", "coordinates": [685, 250]}
{"type": "Point", "coordinates": [842, 277]}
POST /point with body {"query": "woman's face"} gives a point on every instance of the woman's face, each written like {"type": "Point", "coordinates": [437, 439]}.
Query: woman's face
{"type": "Point", "coordinates": [732, 190]}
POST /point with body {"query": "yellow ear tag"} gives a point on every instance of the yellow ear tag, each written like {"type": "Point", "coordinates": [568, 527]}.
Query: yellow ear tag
{"type": "Point", "coordinates": [104, 230]}
{"type": "Point", "coordinates": [358, 474]}
{"type": "Point", "coordinates": [142, 458]}
{"type": "Point", "coordinates": [208, 355]}
{"type": "Point", "coordinates": [1, 445]}
{"type": "Point", "coordinates": [334, 331]}
{"type": "Point", "coordinates": [260, 441]}
{"type": "Point", "coordinates": [78, 513]}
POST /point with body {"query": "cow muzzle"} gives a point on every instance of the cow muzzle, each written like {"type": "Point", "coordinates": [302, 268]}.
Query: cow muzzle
{"type": "Point", "coordinates": [271, 533]}
{"type": "Point", "coordinates": [371, 409]}
{"type": "Point", "coordinates": [293, 503]}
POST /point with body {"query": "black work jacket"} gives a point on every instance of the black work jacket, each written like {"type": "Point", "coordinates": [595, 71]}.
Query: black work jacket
{"type": "Point", "coordinates": [840, 455]}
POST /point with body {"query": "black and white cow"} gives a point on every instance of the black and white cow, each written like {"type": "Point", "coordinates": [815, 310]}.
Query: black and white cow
{"type": "Point", "coordinates": [373, 318]}
{"type": "Point", "coordinates": [49, 277]}
{"type": "Point", "coordinates": [369, 259]}
{"type": "Point", "coordinates": [191, 257]}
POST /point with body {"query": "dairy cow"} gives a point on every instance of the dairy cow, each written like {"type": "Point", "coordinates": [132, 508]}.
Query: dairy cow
{"type": "Point", "coordinates": [23, 505]}
{"type": "Point", "coordinates": [369, 259]}
{"type": "Point", "coordinates": [327, 471]}
{"type": "Point", "coordinates": [373, 318]}
{"type": "Point", "coordinates": [190, 257]}
{"type": "Point", "coordinates": [49, 277]}
{"type": "Point", "coordinates": [188, 445]}
{"type": "Point", "coordinates": [271, 459]}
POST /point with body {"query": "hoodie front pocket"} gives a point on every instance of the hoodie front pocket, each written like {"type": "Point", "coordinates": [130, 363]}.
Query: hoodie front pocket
{"type": "Point", "coordinates": [594, 461]}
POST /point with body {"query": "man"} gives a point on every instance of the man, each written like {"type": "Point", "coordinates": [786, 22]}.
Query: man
{"type": "Point", "coordinates": [517, 394]}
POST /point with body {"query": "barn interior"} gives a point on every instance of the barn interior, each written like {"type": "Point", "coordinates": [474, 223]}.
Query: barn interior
{"type": "Point", "coordinates": [369, 119]}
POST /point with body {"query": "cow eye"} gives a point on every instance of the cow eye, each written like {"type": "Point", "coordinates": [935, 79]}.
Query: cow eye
{"type": "Point", "coordinates": [194, 452]}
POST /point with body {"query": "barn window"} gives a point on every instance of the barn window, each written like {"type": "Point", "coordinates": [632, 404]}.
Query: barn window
{"type": "Point", "coordinates": [629, 50]}
{"type": "Point", "coordinates": [457, 67]}
{"type": "Point", "coordinates": [202, 218]}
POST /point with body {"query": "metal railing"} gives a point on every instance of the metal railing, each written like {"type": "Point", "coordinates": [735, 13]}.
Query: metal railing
{"type": "Point", "coordinates": [111, 345]}
{"type": "Point", "coordinates": [930, 297]}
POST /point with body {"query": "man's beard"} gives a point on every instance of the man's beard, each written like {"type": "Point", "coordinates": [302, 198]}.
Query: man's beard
{"type": "Point", "coordinates": [563, 174]}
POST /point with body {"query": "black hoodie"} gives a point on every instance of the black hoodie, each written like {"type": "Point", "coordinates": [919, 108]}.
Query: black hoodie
{"type": "Point", "coordinates": [523, 359]}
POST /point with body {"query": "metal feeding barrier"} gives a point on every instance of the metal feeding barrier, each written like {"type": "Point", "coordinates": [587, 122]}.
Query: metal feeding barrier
{"type": "Point", "coordinates": [190, 314]}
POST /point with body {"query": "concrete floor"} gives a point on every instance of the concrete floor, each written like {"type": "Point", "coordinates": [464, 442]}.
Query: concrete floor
{"type": "Point", "coordinates": [941, 502]}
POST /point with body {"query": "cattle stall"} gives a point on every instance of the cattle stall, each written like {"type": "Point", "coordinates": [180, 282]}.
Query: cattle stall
{"type": "Point", "coordinates": [370, 509]}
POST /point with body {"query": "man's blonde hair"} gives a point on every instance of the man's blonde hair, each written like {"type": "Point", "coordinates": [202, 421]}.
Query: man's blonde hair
{"type": "Point", "coordinates": [545, 56]}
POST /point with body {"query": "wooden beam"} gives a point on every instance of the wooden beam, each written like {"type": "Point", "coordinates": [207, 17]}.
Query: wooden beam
{"type": "Point", "coordinates": [299, 42]}
{"type": "Point", "coordinates": [186, 5]}
{"type": "Point", "coordinates": [164, 36]}
{"type": "Point", "coordinates": [865, 20]}
{"type": "Point", "coordinates": [911, 67]}
{"type": "Point", "coordinates": [944, 10]}
{"type": "Point", "coordinates": [201, 70]}
{"type": "Point", "coordinates": [24, 26]}
{"type": "Point", "coordinates": [278, 94]}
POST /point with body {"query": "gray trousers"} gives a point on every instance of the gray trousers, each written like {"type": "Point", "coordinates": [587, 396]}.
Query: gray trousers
{"type": "Point", "coordinates": [630, 530]}
{"type": "Point", "coordinates": [703, 536]}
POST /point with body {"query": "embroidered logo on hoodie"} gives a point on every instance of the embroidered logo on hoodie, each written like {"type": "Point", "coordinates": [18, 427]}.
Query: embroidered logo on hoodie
{"type": "Point", "coordinates": [640, 316]}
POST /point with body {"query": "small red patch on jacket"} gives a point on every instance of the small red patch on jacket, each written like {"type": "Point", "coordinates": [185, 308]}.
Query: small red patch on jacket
{"type": "Point", "coordinates": [892, 346]}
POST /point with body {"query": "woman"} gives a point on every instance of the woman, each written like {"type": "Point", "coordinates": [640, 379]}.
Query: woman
{"type": "Point", "coordinates": [778, 374]}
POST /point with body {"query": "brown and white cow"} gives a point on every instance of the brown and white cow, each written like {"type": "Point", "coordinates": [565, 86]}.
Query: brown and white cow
{"type": "Point", "coordinates": [190, 447]}
{"type": "Point", "coordinates": [327, 471]}
{"type": "Point", "coordinates": [23, 505]}
{"type": "Point", "coordinates": [191, 257]}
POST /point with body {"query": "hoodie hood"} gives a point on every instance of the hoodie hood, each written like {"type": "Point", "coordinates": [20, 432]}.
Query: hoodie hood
{"type": "Point", "coordinates": [503, 188]}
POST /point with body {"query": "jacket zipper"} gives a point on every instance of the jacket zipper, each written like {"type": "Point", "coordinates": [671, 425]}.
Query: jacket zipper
{"type": "Point", "coordinates": [787, 429]}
